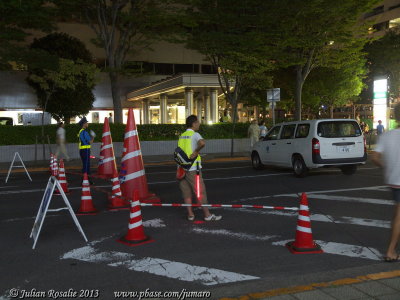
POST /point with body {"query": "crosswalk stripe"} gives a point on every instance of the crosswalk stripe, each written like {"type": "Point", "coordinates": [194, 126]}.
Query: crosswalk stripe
{"type": "Point", "coordinates": [343, 249]}
{"type": "Point", "coordinates": [157, 266]}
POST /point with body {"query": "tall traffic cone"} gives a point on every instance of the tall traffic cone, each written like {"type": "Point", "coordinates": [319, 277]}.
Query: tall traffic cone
{"type": "Point", "coordinates": [51, 163]}
{"type": "Point", "coordinates": [115, 201]}
{"type": "Point", "coordinates": [62, 179]}
{"type": "Point", "coordinates": [304, 242]}
{"type": "Point", "coordinates": [135, 235]}
{"type": "Point", "coordinates": [86, 207]}
{"type": "Point", "coordinates": [55, 166]}
{"type": "Point", "coordinates": [107, 158]}
{"type": "Point", "coordinates": [132, 175]}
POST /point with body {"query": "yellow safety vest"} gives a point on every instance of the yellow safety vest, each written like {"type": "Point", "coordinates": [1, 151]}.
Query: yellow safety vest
{"type": "Point", "coordinates": [80, 141]}
{"type": "Point", "coordinates": [185, 143]}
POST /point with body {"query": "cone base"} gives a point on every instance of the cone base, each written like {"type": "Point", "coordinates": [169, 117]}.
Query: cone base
{"type": "Point", "coordinates": [295, 250]}
{"type": "Point", "coordinates": [117, 203]}
{"type": "Point", "coordinates": [150, 198]}
{"type": "Point", "coordinates": [133, 243]}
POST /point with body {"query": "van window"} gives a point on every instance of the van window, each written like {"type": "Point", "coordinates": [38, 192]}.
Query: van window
{"type": "Point", "coordinates": [302, 131]}
{"type": "Point", "coordinates": [336, 129]}
{"type": "Point", "coordinates": [288, 131]}
{"type": "Point", "coordinates": [273, 134]}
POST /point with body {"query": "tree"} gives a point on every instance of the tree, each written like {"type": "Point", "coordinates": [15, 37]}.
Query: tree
{"type": "Point", "coordinates": [17, 16]}
{"type": "Point", "coordinates": [317, 33]}
{"type": "Point", "coordinates": [65, 102]}
{"type": "Point", "coordinates": [384, 59]}
{"type": "Point", "coordinates": [121, 27]}
{"type": "Point", "coordinates": [225, 32]}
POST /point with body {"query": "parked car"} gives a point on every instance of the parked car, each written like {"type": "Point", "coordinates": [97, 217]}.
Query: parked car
{"type": "Point", "coordinates": [310, 144]}
{"type": "Point", "coordinates": [6, 121]}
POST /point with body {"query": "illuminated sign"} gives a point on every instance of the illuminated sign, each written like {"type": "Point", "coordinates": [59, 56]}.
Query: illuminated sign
{"type": "Point", "coordinates": [380, 102]}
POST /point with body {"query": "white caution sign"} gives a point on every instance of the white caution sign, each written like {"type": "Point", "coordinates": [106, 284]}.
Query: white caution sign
{"type": "Point", "coordinates": [44, 208]}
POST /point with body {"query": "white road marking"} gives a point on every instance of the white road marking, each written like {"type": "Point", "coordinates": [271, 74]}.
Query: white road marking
{"type": "Point", "coordinates": [343, 249]}
{"type": "Point", "coordinates": [204, 170]}
{"type": "Point", "coordinates": [326, 218]}
{"type": "Point", "coordinates": [157, 266]}
{"type": "Point", "coordinates": [238, 235]}
{"type": "Point", "coordinates": [155, 223]}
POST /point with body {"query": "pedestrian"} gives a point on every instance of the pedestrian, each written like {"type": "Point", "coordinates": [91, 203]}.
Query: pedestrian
{"type": "Point", "coordinates": [253, 132]}
{"type": "Point", "coordinates": [380, 128]}
{"type": "Point", "coordinates": [387, 155]}
{"type": "Point", "coordinates": [191, 142]}
{"type": "Point", "coordinates": [85, 141]}
{"type": "Point", "coordinates": [362, 126]}
{"type": "Point", "coordinates": [263, 129]}
{"type": "Point", "coordinates": [61, 141]}
{"type": "Point", "coordinates": [110, 118]}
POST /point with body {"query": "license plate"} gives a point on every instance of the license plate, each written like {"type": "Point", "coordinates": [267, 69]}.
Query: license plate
{"type": "Point", "coordinates": [343, 149]}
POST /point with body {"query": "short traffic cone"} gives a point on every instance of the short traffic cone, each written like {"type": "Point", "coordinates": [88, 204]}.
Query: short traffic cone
{"type": "Point", "coordinates": [55, 167]}
{"type": "Point", "coordinates": [304, 242]}
{"type": "Point", "coordinates": [51, 163]}
{"type": "Point", "coordinates": [115, 201]}
{"type": "Point", "coordinates": [62, 179]}
{"type": "Point", "coordinates": [135, 235]}
{"type": "Point", "coordinates": [132, 175]}
{"type": "Point", "coordinates": [107, 158]}
{"type": "Point", "coordinates": [86, 207]}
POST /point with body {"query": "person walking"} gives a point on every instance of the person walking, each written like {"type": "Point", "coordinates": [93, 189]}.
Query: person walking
{"type": "Point", "coordinates": [61, 141]}
{"type": "Point", "coordinates": [387, 155]}
{"type": "Point", "coordinates": [380, 128]}
{"type": "Point", "coordinates": [85, 141]}
{"type": "Point", "coordinates": [263, 129]}
{"type": "Point", "coordinates": [191, 142]}
{"type": "Point", "coordinates": [110, 118]}
{"type": "Point", "coordinates": [253, 133]}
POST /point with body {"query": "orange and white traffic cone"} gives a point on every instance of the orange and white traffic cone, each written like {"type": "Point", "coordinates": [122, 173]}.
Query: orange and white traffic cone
{"type": "Point", "coordinates": [132, 175]}
{"type": "Point", "coordinates": [62, 179]}
{"type": "Point", "coordinates": [107, 158]}
{"type": "Point", "coordinates": [304, 242]}
{"type": "Point", "coordinates": [55, 167]}
{"type": "Point", "coordinates": [86, 207]}
{"type": "Point", "coordinates": [51, 163]}
{"type": "Point", "coordinates": [115, 201]}
{"type": "Point", "coordinates": [135, 235]}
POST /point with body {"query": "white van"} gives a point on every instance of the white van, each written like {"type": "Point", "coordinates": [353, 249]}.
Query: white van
{"type": "Point", "coordinates": [304, 145]}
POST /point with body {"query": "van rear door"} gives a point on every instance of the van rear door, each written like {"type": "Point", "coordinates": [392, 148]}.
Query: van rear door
{"type": "Point", "coordinates": [340, 139]}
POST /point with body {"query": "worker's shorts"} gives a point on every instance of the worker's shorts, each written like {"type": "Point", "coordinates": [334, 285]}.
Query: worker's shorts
{"type": "Point", "coordinates": [188, 187]}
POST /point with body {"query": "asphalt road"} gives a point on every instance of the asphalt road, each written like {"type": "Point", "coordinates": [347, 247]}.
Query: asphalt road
{"type": "Point", "coordinates": [243, 253]}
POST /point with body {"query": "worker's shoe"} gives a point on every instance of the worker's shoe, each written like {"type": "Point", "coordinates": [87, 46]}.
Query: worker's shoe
{"type": "Point", "coordinates": [213, 217]}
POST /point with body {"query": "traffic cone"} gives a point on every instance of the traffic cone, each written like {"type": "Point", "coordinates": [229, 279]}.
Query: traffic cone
{"type": "Point", "coordinates": [51, 163]}
{"type": "Point", "coordinates": [55, 167]}
{"type": "Point", "coordinates": [86, 207]}
{"type": "Point", "coordinates": [304, 242]}
{"type": "Point", "coordinates": [62, 179]}
{"type": "Point", "coordinates": [132, 175]}
{"type": "Point", "coordinates": [115, 201]}
{"type": "Point", "coordinates": [135, 235]}
{"type": "Point", "coordinates": [107, 158]}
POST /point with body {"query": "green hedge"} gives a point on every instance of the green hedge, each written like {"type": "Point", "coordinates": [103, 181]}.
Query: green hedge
{"type": "Point", "coordinates": [25, 135]}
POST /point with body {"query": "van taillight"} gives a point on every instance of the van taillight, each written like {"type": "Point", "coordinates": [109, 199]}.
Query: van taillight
{"type": "Point", "coordinates": [315, 146]}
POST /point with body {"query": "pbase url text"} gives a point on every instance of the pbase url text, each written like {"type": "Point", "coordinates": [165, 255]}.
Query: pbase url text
{"type": "Point", "coordinates": [180, 295]}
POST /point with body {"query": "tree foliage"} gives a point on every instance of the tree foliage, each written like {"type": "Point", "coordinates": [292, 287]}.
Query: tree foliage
{"type": "Point", "coordinates": [17, 18]}
{"type": "Point", "coordinates": [64, 83]}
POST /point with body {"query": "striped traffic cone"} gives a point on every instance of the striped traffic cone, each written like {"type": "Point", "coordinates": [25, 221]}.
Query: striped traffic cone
{"type": "Point", "coordinates": [62, 179]}
{"type": "Point", "coordinates": [51, 163]}
{"type": "Point", "coordinates": [55, 167]}
{"type": "Point", "coordinates": [135, 235]}
{"type": "Point", "coordinates": [132, 175]}
{"type": "Point", "coordinates": [107, 158]}
{"type": "Point", "coordinates": [86, 207]}
{"type": "Point", "coordinates": [304, 242]}
{"type": "Point", "coordinates": [115, 201]}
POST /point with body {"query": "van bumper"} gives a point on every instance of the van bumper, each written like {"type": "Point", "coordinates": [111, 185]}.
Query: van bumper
{"type": "Point", "coordinates": [316, 158]}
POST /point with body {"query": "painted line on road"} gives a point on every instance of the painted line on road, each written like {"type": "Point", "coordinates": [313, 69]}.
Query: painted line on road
{"type": "Point", "coordinates": [326, 218]}
{"type": "Point", "coordinates": [238, 235]}
{"type": "Point", "coordinates": [203, 170]}
{"type": "Point", "coordinates": [350, 199]}
{"type": "Point", "coordinates": [314, 286]}
{"type": "Point", "coordinates": [157, 266]}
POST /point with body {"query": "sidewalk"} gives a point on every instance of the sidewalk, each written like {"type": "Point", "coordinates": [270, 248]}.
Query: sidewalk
{"type": "Point", "coordinates": [382, 286]}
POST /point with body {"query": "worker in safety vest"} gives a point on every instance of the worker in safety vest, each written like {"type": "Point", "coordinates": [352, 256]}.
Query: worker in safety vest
{"type": "Point", "coordinates": [85, 141]}
{"type": "Point", "coordinates": [191, 142]}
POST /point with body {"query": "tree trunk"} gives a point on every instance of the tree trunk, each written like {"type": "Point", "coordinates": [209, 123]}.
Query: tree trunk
{"type": "Point", "coordinates": [331, 111]}
{"type": "Point", "coordinates": [298, 91]}
{"type": "Point", "coordinates": [116, 97]}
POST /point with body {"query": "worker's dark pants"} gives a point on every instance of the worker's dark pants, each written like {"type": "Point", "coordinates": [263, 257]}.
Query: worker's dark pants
{"type": "Point", "coordinates": [85, 157]}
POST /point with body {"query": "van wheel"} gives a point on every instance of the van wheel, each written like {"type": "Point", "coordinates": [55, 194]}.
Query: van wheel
{"type": "Point", "coordinates": [349, 170]}
{"type": "Point", "coordinates": [256, 161]}
{"type": "Point", "coordinates": [299, 167]}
